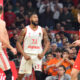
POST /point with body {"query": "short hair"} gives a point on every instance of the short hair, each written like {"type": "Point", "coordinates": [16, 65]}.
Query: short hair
{"type": "Point", "coordinates": [63, 67]}
{"type": "Point", "coordinates": [57, 34]}
{"type": "Point", "coordinates": [72, 47]}
{"type": "Point", "coordinates": [65, 51]}
{"type": "Point", "coordinates": [53, 44]}
{"type": "Point", "coordinates": [1, 9]}
{"type": "Point", "coordinates": [32, 13]}
{"type": "Point", "coordinates": [58, 50]}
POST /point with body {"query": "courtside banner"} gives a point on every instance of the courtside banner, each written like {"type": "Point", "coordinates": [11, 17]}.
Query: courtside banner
{"type": "Point", "coordinates": [1, 3]}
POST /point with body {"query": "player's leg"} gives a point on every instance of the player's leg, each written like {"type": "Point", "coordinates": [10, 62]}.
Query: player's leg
{"type": "Point", "coordinates": [38, 75]}
{"type": "Point", "coordinates": [74, 74]}
{"type": "Point", "coordinates": [25, 68]}
{"type": "Point", "coordinates": [5, 66]}
{"type": "Point", "coordinates": [37, 64]}
{"type": "Point", "coordinates": [8, 74]}
{"type": "Point", "coordinates": [76, 68]}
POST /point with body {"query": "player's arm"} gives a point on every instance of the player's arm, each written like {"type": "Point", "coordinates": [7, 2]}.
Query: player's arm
{"type": "Point", "coordinates": [75, 43]}
{"type": "Point", "coordinates": [3, 34]}
{"type": "Point", "coordinates": [46, 44]}
{"type": "Point", "coordinates": [46, 41]}
{"type": "Point", "coordinates": [3, 38]}
{"type": "Point", "coordinates": [6, 33]}
{"type": "Point", "coordinates": [4, 41]}
{"type": "Point", "coordinates": [19, 42]}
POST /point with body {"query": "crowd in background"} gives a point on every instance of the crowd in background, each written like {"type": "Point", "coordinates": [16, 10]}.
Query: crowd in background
{"type": "Point", "coordinates": [59, 15]}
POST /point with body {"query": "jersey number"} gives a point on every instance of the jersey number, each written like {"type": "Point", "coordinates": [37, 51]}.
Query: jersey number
{"type": "Point", "coordinates": [34, 41]}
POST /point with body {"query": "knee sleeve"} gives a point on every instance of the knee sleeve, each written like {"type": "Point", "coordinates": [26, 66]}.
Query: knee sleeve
{"type": "Point", "coordinates": [8, 74]}
{"type": "Point", "coordinates": [38, 75]}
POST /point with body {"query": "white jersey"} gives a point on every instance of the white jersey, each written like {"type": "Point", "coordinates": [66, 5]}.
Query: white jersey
{"type": "Point", "coordinates": [33, 40]}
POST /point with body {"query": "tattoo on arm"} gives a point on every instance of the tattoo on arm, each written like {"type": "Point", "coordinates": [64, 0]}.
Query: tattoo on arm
{"type": "Point", "coordinates": [45, 36]}
{"type": "Point", "coordinates": [21, 36]}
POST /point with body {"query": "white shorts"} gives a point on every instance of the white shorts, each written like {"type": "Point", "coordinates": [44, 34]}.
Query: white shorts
{"type": "Point", "coordinates": [4, 63]}
{"type": "Point", "coordinates": [26, 65]}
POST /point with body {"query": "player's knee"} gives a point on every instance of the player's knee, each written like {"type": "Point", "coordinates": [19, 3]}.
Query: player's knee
{"type": "Point", "coordinates": [20, 76]}
{"type": "Point", "coordinates": [8, 74]}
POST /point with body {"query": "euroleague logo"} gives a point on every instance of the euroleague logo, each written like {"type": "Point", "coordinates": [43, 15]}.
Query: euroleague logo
{"type": "Point", "coordinates": [39, 34]}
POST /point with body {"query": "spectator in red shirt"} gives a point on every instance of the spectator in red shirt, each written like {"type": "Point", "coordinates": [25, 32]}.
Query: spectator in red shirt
{"type": "Point", "coordinates": [9, 16]}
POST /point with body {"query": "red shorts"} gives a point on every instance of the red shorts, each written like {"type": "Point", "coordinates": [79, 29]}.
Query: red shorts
{"type": "Point", "coordinates": [77, 62]}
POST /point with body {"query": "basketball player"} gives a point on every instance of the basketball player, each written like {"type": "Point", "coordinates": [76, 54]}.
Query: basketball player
{"type": "Point", "coordinates": [4, 39]}
{"type": "Point", "coordinates": [31, 37]}
{"type": "Point", "coordinates": [76, 66]}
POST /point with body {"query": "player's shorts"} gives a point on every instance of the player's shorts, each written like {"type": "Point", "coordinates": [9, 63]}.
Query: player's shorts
{"type": "Point", "coordinates": [77, 62]}
{"type": "Point", "coordinates": [26, 65]}
{"type": "Point", "coordinates": [4, 63]}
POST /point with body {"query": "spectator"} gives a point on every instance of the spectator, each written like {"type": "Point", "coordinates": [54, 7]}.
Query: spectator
{"type": "Point", "coordinates": [62, 35]}
{"type": "Point", "coordinates": [57, 8]}
{"type": "Point", "coordinates": [51, 66]}
{"type": "Point", "coordinates": [13, 26]}
{"type": "Point", "coordinates": [75, 37]}
{"type": "Point", "coordinates": [16, 7]}
{"type": "Point", "coordinates": [58, 26]}
{"type": "Point", "coordinates": [27, 20]}
{"type": "Point", "coordinates": [56, 4]}
{"type": "Point", "coordinates": [73, 53]}
{"type": "Point", "coordinates": [75, 11]}
{"type": "Point", "coordinates": [10, 16]}
{"type": "Point", "coordinates": [46, 18]}
{"type": "Point", "coordinates": [66, 46]}
{"type": "Point", "coordinates": [30, 8]}
{"type": "Point", "coordinates": [64, 40]}
{"type": "Point", "coordinates": [38, 4]}
{"type": "Point", "coordinates": [43, 6]}
{"type": "Point", "coordinates": [68, 3]}
{"type": "Point", "coordinates": [58, 40]}
{"type": "Point", "coordinates": [61, 74]}
{"type": "Point", "coordinates": [54, 47]}
{"type": "Point", "coordinates": [66, 62]}
{"type": "Point", "coordinates": [66, 19]}
{"type": "Point", "coordinates": [49, 56]}
{"type": "Point", "coordinates": [20, 17]}
{"type": "Point", "coordinates": [13, 40]}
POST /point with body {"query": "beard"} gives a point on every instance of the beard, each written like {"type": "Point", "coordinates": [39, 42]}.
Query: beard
{"type": "Point", "coordinates": [34, 23]}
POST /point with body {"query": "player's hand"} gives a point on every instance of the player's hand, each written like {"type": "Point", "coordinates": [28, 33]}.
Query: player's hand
{"type": "Point", "coordinates": [14, 51]}
{"type": "Point", "coordinates": [40, 56]}
{"type": "Point", "coordinates": [27, 57]}
{"type": "Point", "coordinates": [76, 43]}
